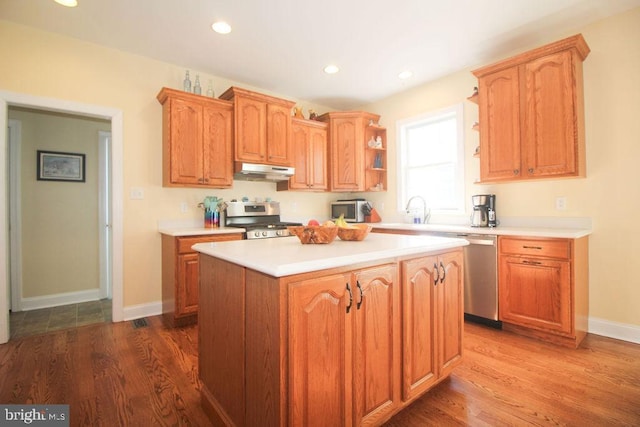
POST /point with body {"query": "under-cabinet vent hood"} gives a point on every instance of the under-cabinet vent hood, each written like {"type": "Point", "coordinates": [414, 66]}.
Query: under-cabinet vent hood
{"type": "Point", "coordinates": [258, 172]}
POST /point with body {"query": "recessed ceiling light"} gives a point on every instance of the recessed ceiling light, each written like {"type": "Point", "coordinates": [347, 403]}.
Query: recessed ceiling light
{"type": "Point", "coordinates": [331, 69]}
{"type": "Point", "coordinates": [68, 3]}
{"type": "Point", "coordinates": [405, 75]}
{"type": "Point", "coordinates": [221, 27]}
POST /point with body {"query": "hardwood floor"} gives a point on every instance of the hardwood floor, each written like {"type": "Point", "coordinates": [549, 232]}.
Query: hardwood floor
{"type": "Point", "coordinates": [117, 375]}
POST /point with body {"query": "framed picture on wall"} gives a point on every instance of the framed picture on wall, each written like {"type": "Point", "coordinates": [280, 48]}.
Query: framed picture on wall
{"type": "Point", "coordinates": [56, 166]}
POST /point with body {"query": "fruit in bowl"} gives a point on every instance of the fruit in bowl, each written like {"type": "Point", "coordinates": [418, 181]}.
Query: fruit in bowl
{"type": "Point", "coordinates": [354, 232]}
{"type": "Point", "coordinates": [309, 234]}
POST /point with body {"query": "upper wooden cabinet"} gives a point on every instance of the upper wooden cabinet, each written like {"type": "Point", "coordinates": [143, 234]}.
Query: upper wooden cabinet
{"type": "Point", "coordinates": [262, 127]}
{"type": "Point", "coordinates": [532, 114]}
{"type": "Point", "coordinates": [352, 164]}
{"type": "Point", "coordinates": [309, 148]}
{"type": "Point", "coordinates": [197, 135]}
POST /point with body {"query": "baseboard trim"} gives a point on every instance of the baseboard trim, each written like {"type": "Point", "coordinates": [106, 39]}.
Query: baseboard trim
{"type": "Point", "coordinates": [133, 312]}
{"type": "Point", "coordinates": [619, 331]}
{"type": "Point", "coordinates": [53, 300]}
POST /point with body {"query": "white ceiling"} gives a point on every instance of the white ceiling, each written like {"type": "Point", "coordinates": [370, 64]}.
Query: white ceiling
{"type": "Point", "coordinates": [283, 45]}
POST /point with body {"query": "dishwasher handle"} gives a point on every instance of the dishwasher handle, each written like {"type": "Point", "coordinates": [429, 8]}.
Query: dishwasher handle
{"type": "Point", "coordinates": [479, 240]}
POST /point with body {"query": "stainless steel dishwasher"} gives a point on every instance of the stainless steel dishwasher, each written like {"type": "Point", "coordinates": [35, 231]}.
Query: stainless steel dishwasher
{"type": "Point", "coordinates": [480, 277]}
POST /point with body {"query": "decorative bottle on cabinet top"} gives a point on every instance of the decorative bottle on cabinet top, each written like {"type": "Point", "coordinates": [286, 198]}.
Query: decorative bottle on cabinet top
{"type": "Point", "coordinates": [187, 82]}
{"type": "Point", "coordinates": [196, 88]}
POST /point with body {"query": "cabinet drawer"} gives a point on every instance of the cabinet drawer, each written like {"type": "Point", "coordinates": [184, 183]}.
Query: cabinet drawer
{"type": "Point", "coordinates": [552, 248]}
{"type": "Point", "coordinates": [185, 243]}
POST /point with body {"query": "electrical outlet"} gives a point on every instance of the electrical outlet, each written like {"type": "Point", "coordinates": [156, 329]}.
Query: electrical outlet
{"type": "Point", "coordinates": [136, 193]}
{"type": "Point", "coordinates": [561, 203]}
{"type": "Point", "coordinates": [184, 207]}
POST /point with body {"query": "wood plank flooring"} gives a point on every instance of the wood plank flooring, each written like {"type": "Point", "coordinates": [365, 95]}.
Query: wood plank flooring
{"type": "Point", "coordinates": [116, 375]}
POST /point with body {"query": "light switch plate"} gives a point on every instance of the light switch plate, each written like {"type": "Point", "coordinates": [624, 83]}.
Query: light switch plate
{"type": "Point", "coordinates": [136, 193]}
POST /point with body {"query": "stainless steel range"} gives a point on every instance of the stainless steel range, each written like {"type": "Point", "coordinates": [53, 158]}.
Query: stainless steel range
{"type": "Point", "coordinates": [260, 219]}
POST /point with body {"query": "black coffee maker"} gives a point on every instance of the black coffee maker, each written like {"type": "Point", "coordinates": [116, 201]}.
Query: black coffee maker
{"type": "Point", "coordinates": [484, 210]}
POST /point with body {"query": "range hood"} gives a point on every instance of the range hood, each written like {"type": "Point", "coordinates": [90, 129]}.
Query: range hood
{"type": "Point", "coordinates": [259, 172]}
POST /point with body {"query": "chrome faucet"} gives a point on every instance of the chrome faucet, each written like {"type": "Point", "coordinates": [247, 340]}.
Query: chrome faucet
{"type": "Point", "coordinates": [426, 213]}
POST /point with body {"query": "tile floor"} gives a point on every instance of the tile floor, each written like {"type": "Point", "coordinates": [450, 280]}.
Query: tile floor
{"type": "Point", "coordinates": [33, 322]}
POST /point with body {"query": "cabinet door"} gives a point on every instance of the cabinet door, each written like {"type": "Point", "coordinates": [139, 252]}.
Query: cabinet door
{"type": "Point", "coordinates": [536, 292]}
{"type": "Point", "coordinates": [347, 147]}
{"type": "Point", "coordinates": [218, 147]}
{"type": "Point", "coordinates": [419, 277]}
{"type": "Point", "coordinates": [377, 346]}
{"type": "Point", "coordinates": [278, 146]}
{"type": "Point", "coordinates": [499, 100]}
{"type": "Point", "coordinates": [188, 277]}
{"type": "Point", "coordinates": [251, 130]}
{"type": "Point", "coordinates": [450, 311]}
{"type": "Point", "coordinates": [185, 123]}
{"type": "Point", "coordinates": [300, 144]}
{"type": "Point", "coordinates": [320, 351]}
{"type": "Point", "coordinates": [549, 144]}
{"type": "Point", "coordinates": [318, 159]}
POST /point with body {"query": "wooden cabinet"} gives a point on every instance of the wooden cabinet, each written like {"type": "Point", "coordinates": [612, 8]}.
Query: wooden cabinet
{"type": "Point", "coordinates": [344, 364]}
{"type": "Point", "coordinates": [180, 276]}
{"type": "Point", "coordinates": [262, 127]}
{"type": "Point", "coordinates": [197, 134]}
{"type": "Point", "coordinates": [433, 320]}
{"type": "Point", "coordinates": [532, 114]}
{"type": "Point", "coordinates": [352, 167]}
{"type": "Point", "coordinates": [309, 147]}
{"type": "Point", "coordinates": [543, 287]}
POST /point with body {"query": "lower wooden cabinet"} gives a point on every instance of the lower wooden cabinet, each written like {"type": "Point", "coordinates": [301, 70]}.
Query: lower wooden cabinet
{"type": "Point", "coordinates": [348, 346]}
{"type": "Point", "coordinates": [433, 320]}
{"type": "Point", "coordinates": [180, 276]}
{"type": "Point", "coordinates": [344, 364]}
{"type": "Point", "coordinates": [543, 287]}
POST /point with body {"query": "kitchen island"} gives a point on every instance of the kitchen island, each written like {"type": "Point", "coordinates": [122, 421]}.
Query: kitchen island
{"type": "Point", "coordinates": [342, 334]}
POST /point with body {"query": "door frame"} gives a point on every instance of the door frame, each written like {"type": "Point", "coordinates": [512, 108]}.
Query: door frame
{"type": "Point", "coordinates": [116, 252]}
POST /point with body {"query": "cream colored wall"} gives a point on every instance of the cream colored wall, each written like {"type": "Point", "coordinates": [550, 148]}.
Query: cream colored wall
{"type": "Point", "coordinates": [47, 65]}
{"type": "Point", "coordinates": [59, 219]}
{"type": "Point", "coordinates": [610, 195]}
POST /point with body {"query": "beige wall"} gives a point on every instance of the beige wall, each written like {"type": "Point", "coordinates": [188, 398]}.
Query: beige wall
{"type": "Point", "coordinates": [48, 65]}
{"type": "Point", "coordinates": [59, 219]}
{"type": "Point", "coordinates": [610, 195]}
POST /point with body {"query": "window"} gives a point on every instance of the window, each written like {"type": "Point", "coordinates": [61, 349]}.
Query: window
{"type": "Point", "coordinates": [431, 160]}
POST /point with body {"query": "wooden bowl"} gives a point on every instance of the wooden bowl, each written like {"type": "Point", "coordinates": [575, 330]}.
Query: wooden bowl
{"type": "Point", "coordinates": [314, 234]}
{"type": "Point", "coordinates": [356, 232]}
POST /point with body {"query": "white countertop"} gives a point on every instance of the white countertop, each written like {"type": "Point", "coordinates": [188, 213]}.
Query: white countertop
{"type": "Point", "coordinates": [570, 233]}
{"type": "Point", "coordinates": [286, 255]}
{"type": "Point", "coordinates": [198, 231]}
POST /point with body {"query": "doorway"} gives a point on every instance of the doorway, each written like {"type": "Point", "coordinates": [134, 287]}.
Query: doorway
{"type": "Point", "coordinates": [114, 190]}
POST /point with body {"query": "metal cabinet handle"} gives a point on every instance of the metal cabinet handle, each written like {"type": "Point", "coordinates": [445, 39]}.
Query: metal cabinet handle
{"type": "Point", "coordinates": [437, 274]}
{"type": "Point", "coordinates": [530, 170]}
{"type": "Point", "coordinates": [532, 247]}
{"type": "Point", "coordinates": [350, 298]}
{"type": "Point", "coordinates": [361, 295]}
{"type": "Point", "coordinates": [516, 171]}
{"type": "Point", "coordinates": [444, 272]}
{"type": "Point", "coordinates": [526, 261]}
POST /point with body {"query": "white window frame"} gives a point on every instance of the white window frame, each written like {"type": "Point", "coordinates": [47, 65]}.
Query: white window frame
{"type": "Point", "coordinates": [401, 127]}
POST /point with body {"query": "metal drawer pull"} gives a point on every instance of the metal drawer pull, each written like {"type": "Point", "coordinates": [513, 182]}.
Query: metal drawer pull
{"type": "Point", "coordinates": [531, 262]}
{"type": "Point", "coordinates": [532, 247]}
